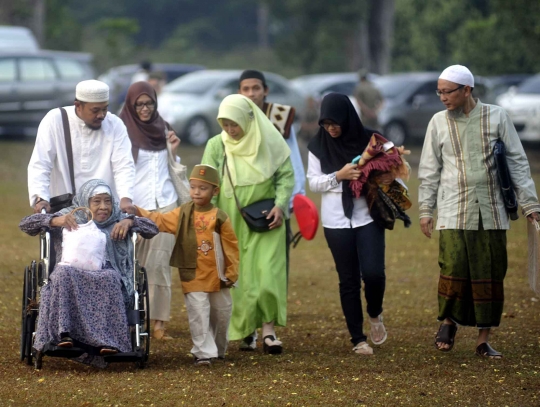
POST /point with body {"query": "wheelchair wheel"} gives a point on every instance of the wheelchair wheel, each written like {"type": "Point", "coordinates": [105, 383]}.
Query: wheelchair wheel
{"type": "Point", "coordinates": [24, 306]}
{"type": "Point", "coordinates": [144, 304]}
{"type": "Point", "coordinates": [29, 315]}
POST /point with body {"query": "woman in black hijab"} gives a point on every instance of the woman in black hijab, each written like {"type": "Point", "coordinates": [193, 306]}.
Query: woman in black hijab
{"type": "Point", "coordinates": [356, 242]}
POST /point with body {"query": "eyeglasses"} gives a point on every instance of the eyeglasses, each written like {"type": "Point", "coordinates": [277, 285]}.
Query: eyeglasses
{"type": "Point", "coordinates": [440, 92]}
{"type": "Point", "coordinates": [149, 105]}
{"type": "Point", "coordinates": [327, 126]}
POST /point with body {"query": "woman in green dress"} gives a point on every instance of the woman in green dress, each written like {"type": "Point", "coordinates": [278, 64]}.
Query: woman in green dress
{"type": "Point", "coordinates": [260, 168]}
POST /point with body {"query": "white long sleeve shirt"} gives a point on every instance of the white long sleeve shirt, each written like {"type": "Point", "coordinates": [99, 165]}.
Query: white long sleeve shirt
{"type": "Point", "coordinates": [153, 186]}
{"type": "Point", "coordinates": [332, 213]}
{"type": "Point", "coordinates": [104, 154]}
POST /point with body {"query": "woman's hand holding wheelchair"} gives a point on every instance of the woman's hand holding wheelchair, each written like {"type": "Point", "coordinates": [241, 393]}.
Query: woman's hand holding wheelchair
{"type": "Point", "coordinates": [121, 229]}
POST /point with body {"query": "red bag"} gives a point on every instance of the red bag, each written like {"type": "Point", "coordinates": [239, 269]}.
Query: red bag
{"type": "Point", "coordinates": [307, 217]}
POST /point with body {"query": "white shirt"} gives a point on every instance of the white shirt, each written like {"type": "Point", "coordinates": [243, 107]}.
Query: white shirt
{"type": "Point", "coordinates": [153, 185]}
{"type": "Point", "coordinates": [332, 213]}
{"type": "Point", "coordinates": [104, 154]}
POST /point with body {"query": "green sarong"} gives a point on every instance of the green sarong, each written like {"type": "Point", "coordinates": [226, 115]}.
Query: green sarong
{"type": "Point", "coordinates": [473, 266]}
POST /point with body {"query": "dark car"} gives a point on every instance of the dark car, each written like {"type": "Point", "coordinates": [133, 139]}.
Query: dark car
{"type": "Point", "coordinates": [410, 102]}
{"type": "Point", "coordinates": [120, 77]}
{"type": "Point", "coordinates": [32, 83]}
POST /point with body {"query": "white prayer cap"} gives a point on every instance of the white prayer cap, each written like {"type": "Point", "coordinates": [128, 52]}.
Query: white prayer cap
{"type": "Point", "coordinates": [92, 91]}
{"type": "Point", "coordinates": [458, 74]}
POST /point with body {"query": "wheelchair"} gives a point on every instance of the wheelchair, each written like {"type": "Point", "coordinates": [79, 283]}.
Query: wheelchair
{"type": "Point", "coordinates": [36, 276]}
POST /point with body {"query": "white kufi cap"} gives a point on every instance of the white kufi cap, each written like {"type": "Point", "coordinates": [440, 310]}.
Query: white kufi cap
{"type": "Point", "coordinates": [92, 91]}
{"type": "Point", "coordinates": [458, 74]}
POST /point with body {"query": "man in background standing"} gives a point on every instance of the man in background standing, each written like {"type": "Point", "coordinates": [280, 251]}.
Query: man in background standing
{"type": "Point", "coordinates": [252, 84]}
{"type": "Point", "coordinates": [369, 99]}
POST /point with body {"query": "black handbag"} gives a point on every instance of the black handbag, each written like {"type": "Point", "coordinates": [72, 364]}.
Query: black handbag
{"type": "Point", "coordinates": [254, 214]}
{"type": "Point", "coordinates": [507, 188]}
{"type": "Point", "coordinates": [63, 201]}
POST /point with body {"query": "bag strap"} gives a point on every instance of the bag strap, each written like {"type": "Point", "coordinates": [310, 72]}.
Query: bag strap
{"type": "Point", "coordinates": [69, 149]}
{"type": "Point", "coordinates": [230, 180]}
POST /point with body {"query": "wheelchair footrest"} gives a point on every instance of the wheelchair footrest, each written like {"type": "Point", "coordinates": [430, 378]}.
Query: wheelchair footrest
{"type": "Point", "coordinates": [57, 351]}
{"type": "Point", "coordinates": [125, 357]}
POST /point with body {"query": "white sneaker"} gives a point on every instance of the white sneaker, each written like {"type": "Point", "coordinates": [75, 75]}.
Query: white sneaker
{"type": "Point", "coordinates": [363, 348]}
{"type": "Point", "coordinates": [249, 343]}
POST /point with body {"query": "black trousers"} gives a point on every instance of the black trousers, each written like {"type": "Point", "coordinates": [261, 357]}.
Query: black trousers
{"type": "Point", "coordinates": [359, 254]}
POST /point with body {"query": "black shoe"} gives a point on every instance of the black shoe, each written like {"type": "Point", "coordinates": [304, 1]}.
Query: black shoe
{"type": "Point", "coordinates": [272, 349]}
{"type": "Point", "coordinates": [65, 342]}
{"type": "Point", "coordinates": [202, 362]}
{"type": "Point", "coordinates": [249, 343]}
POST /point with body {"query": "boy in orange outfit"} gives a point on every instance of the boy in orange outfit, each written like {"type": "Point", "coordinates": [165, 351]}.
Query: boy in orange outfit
{"type": "Point", "coordinates": [206, 254]}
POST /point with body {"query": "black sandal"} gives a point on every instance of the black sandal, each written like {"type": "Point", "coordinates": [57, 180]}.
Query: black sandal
{"type": "Point", "coordinates": [65, 342]}
{"type": "Point", "coordinates": [446, 334]}
{"type": "Point", "coordinates": [271, 349]}
{"type": "Point", "coordinates": [485, 351]}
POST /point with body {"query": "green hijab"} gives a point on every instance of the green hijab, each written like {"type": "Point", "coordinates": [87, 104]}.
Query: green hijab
{"type": "Point", "coordinates": [255, 157]}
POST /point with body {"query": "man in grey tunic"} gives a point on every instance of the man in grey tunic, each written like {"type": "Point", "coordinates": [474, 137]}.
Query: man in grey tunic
{"type": "Point", "coordinates": [458, 177]}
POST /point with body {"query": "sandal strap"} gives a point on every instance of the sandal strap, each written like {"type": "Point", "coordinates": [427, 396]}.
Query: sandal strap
{"type": "Point", "coordinates": [446, 334]}
{"type": "Point", "coordinates": [485, 350]}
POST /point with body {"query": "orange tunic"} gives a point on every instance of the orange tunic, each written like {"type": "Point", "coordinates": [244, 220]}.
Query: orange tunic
{"type": "Point", "coordinates": [204, 222]}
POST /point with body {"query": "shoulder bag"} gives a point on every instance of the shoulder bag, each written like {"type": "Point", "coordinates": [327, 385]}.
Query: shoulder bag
{"type": "Point", "coordinates": [65, 200]}
{"type": "Point", "coordinates": [254, 214]}
{"type": "Point", "coordinates": [178, 176]}
{"type": "Point", "coordinates": [507, 188]}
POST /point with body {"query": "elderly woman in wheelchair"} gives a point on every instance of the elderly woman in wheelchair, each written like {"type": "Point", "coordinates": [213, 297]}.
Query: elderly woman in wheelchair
{"type": "Point", "coordinates": [85, 308]}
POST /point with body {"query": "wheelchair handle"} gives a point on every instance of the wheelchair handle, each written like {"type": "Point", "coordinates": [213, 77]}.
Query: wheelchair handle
{"type": "Point", "coordinates": [45, 251]}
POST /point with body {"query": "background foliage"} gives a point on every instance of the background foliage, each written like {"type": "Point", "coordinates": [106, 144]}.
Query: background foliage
{"type": "Point", "coordinates": [303, 36]}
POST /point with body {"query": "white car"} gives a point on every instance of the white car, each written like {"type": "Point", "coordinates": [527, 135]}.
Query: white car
{"type": "Point", "coordinates": [190, 104]}
{"type": "Point", "coordinates": [523, 106]}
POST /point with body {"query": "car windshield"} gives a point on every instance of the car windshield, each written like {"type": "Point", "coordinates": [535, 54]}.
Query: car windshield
{"type": "Point", "coordinates": [392, 86]}
{"type": "Point", "coordinates": [193, 84]}
{"type": "Point", "coordinates": [530, 86]}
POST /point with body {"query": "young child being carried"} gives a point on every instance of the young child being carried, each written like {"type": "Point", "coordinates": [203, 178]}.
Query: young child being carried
{"type": "Point", "coordinates": [206, 254]}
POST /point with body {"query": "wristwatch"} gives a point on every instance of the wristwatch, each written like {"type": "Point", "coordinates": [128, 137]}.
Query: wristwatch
{"type": "Point", "coordinates": [39, 200]}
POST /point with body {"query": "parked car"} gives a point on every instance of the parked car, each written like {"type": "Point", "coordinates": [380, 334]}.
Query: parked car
{"type": "Point", "coordinates": [17, 39]}
{"type": "Point", "coordinates": [190, 104]}
{"type": "Point", "coordinates": [502, 83]}
{"type": "Point", "coordinates": [523, 106]}
{"type": "Point", "coordinates": [33, 83]}
{"type": "Point", "coordinates": [411, 101]}
{"type": "Point", "coordinates": [119, 78]}
{"type": "Point", "coordinates": [318, 85]}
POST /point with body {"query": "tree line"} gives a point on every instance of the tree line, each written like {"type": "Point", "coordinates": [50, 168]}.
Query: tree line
{"type": "Point", "coordinates": [292, 36]}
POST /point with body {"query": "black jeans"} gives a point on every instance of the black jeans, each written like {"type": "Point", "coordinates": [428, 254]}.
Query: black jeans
{"type": "Point", "coordinates": [359, 254]}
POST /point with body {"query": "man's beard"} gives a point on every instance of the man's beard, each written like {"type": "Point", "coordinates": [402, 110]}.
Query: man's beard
{"type": "Point", "coordinates": [94, 127]}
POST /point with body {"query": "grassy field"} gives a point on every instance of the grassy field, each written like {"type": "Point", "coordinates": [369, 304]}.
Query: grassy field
{"type": "Point", "coordinates": [318, 367]}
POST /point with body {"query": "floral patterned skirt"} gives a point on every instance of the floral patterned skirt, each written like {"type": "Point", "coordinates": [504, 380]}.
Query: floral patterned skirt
{"type": "Point", "coordinates": [86, 304]}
